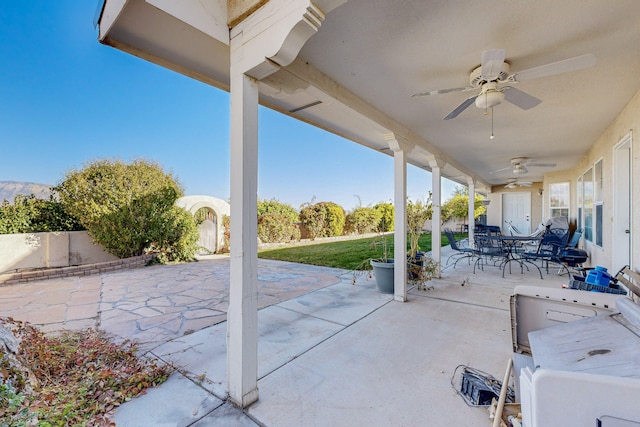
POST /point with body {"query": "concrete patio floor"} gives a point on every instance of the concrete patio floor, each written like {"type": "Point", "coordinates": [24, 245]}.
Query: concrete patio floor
{"type": "Point", "coordinates": [330, 353]}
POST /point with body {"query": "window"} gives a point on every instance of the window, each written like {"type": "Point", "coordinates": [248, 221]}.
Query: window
{"type": "Point", "coordinates": [587, 204]}
{"type": "Point", "coordinates": [597, 192]}
{"type": "Point", "coordinates": [560, 199]}
{"type": "Point", "coordinates": [579, 202]}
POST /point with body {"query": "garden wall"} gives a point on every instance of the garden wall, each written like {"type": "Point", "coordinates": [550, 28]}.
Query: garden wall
{"type": "Point", "coordinates": [31, 251]}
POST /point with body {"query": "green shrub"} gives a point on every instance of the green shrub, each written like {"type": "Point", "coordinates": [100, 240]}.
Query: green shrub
{"type": "Point", "coordinates": [313, 219]}
{"type": "Point", "coordinates": [323, 219]}
{"type": "Point", "coordinates": [226, 225]}
{"type": "Point", "coordinates": [276, 228]}
{"type": "Point", "coordinates": [387, 215]}
{"type": "Point", "coordinates": [274, 206]}
{"type": "Point", "coordinates": [177, 239]}
{"type": "Point", "coordinates": [129, 208]}
{"type": "Point", "coordinates": [363, 220]}
{"type": "Point", "coordinates": [334, 220]}
{"type": "Point", "coordinates": [28, 214]}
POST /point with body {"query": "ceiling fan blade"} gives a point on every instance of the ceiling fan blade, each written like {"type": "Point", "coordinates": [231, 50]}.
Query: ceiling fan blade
{"type": "Point", "coordinates": [525, 184]}
{"type": "Point", "coordinates": [441, 91]}
{"type": "Point", "coordinates": [460, 108]}
{"type": "Point", "coordinates": [571, 64]}
{"type": "Point", "coordinates": [520, 98]}
{"type": "Point", "coordinates": [501, 170]}
{"type": "Point", "coordinates": [511, 185]}
{"type": "Point", "coordinates": [492, 61]}
{"type": "Point", "coordinates": [542, 165]}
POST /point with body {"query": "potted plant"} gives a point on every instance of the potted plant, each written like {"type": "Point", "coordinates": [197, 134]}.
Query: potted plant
{"type": "Point", "coordinates": [424, 273]}
{"type": "Point", "coordinates": [380, 266]}
{"type": "Point", "coordinates": [417, 213]}
{"type": "Point", "coordinates": [383, 266]}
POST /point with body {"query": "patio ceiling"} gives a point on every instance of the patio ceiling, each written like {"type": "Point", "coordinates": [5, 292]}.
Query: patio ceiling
{"type": "Point", "coordinates": [356, 75]}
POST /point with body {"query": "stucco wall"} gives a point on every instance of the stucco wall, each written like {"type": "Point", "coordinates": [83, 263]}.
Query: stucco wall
{"type": "Point", "coordinates": [627, 121]}
{"type": "Point", "coordinates": [48, 250]}
{"type": "Point", "coordinates": [494, 210]}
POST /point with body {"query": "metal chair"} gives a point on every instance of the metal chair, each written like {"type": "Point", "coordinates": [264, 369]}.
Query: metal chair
{"type": "Point", "coordinates": [549, 251]}
{"type": "Point", "coordinates": [575, 239]}
{"type": "Point", "coordinates": [489, 250]}
{"type": "Point", "coordinates": [460, 251]}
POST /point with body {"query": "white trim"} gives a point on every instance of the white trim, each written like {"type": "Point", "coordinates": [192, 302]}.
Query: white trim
{"type": "Point", "coordinates": [627, 139]}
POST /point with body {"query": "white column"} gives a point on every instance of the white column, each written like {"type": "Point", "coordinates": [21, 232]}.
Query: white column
{"type": "Point", "coordinates": [266, 40]}
{"type": "Point", "coordinates": [400, 217]}
{"type": "Point", "coordinates": [242, 315]}
{"type": "Point", "coordinates": [400, 225]}
{"type": "Point", "coordinates": [436, 227]}
{"type": "Point", "coordinates": [471, 221]}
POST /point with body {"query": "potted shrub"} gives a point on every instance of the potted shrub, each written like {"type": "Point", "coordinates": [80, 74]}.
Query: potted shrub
{"type": "Point", "coordinates": [417, 213]}
{"type": "Point", "coordinates": [383, 267]}
{"type": "Point", "coordinates": [425, 273]}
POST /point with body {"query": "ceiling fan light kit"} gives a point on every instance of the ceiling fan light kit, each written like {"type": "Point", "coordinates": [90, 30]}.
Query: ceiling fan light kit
{"type": "Point", "coordinates": [494, 70]}
{"type": "Point", "coordinates": [520, 170]}
{"type": "Point", "coordinates": [514, 183]}
{"type": "Point", "coordinates": [490, 97]}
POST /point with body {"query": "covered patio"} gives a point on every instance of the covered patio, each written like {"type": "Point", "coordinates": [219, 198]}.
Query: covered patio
{"type": "Point", "coordinates": [554, 85]}
{"type": "Point", "coordinates": [346, 355]}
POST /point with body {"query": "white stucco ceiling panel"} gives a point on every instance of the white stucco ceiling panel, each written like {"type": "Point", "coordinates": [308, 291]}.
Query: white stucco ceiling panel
{"type": "Point", "coordinates": [377, 54]}
{"type": "Point", "coordinates": [415, 46]}
{"type": "Point", "coordinates": [148, 32]}
{"type": "Point", "coordinates": [206, 16]}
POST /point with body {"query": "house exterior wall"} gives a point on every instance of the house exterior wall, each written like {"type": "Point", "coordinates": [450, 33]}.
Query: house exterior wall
{"type": "Point", "coordinates": [494, 210]}
{"type": "Point", "coordinates": [627, 121]}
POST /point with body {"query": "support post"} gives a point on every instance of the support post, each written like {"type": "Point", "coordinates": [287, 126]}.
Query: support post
{"type": "Point", "coordinates": [269, 38]}
{"type": "Point", "coordinates": [436, 228]}
{"type": "Point", "coordinates": [472, 209]}
{"type": "Point", "coordinates": [400, 149]}
{"type": "Point", "coordinates": [242, 316]}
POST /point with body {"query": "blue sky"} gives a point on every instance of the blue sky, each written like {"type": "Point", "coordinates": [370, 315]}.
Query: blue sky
{"type": "Point", "coordinates": [66, 100]}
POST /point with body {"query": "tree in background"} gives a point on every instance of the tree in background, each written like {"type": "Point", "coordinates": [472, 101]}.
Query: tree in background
{"type": "Point", "coordinates": [129, 209]}
{"type": "Point", "coordinates": [457, 207]}
{"type": "Point", "coordinates": [29, 214]}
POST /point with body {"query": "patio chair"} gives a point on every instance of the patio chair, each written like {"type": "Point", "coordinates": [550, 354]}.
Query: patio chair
{"type": "Point", "coordinates": [461, 252]}
{"type": "Point", "coordinates": [493, 230]}
{"type": "Point", "coordinates": [489, 250]}
{"type": "Point", "coordinates": [575, 239]}
{"type": "Point", "coordinates": [549, 250]}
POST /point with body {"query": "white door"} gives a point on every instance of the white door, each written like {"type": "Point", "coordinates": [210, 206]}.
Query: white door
{"type": "Point", "coordinates": [516, 209]}
{"type": "Point", "coordinates": [621, 248]}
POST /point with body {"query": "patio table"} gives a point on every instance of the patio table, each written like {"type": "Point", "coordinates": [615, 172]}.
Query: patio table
{"type": "Point", "coordinates": [510, 250]}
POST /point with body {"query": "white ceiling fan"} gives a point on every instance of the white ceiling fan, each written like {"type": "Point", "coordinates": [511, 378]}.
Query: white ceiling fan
{"type": "Point", "coordinates": [494, 71]}
{"type": "Point", "coordinates": [514, 183]}
{"type": "Point", "coordinates": [519, 165]}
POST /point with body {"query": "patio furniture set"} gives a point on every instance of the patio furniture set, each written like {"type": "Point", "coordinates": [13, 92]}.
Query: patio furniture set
{"type": "Point", "coordinates": [529, 252]}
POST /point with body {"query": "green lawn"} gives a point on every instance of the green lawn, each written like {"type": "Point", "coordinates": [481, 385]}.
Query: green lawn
{"type": "Point", "coordinates": [347, 254]}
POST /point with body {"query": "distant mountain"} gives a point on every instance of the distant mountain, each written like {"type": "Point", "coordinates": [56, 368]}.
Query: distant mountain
{"type": "Point", "coordinates": [10, 189]}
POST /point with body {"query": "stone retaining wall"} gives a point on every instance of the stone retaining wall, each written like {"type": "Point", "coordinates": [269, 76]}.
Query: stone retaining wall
{"type": "Point", "coordinates": [77, 270]}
